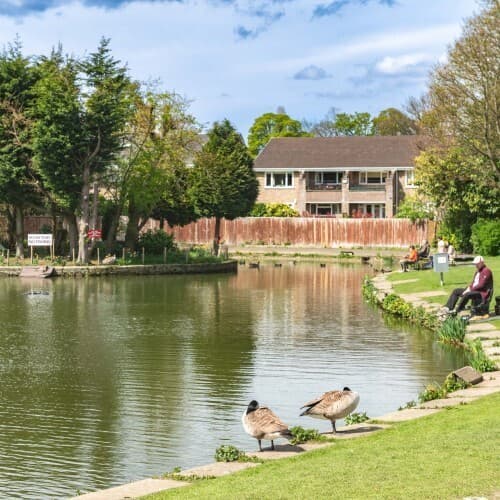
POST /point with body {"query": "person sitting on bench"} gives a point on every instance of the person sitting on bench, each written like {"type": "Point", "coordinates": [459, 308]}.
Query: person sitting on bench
{"type": "Point", "coordinates": [424, 250]}
{"type": "Point", "coordinates": [477, 291]}
{"type": "Point", "coordinates": [411, 258]}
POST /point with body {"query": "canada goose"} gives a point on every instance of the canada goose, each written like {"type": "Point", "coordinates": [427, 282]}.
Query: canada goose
{"type": "Point", "coordinates": [262, 423]}
{"type": "Point", "coordinates": [254, 264]}
{"type": "Point", "coordinates": [333, 405]}
{"type": "Point", "coordinates": [322, 265]}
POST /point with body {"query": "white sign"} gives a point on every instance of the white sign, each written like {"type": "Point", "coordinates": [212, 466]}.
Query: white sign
{"type": "Point", "coordinates": [39, 240]}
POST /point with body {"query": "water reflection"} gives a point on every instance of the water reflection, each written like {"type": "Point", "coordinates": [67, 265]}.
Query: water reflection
{"type": "Point", "coordinates": [110, 380]}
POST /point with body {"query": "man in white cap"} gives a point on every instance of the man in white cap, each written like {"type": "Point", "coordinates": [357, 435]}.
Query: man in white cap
{"type": "Point", "coordinates": [477, 291]}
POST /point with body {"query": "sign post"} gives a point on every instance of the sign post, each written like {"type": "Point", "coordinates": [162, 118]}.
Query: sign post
{"type": "Point", "coordinates": [40, 240]}
{"type": "Point", "coordinates": [440, 264]}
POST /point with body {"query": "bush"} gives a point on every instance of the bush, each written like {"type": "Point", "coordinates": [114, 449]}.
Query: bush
{"type": "Point", "coordinates": [356, 418]}
{"type": "Point", "coordinates": [155, 241]}
{"type": "Point", "coordinates": [486, 237]}
{"type": "Point", "coordinates": [477, 358]}
{"type": "Point", "coordinates": [301, 435]}
{"type": "Point", "coordinates": [452, 330]}
{"type": "Point", "coordinates": [431, 392]}
{"type": "Point", "coordinates": [415, 209]}
{"type": "Point", "coordinates": [228, 453]}
{"type": "Point", "coordinates": [273, 210]}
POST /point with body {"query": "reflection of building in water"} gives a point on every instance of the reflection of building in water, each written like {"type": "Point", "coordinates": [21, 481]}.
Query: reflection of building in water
{"type": "Point", "coordinates": [294, 294]}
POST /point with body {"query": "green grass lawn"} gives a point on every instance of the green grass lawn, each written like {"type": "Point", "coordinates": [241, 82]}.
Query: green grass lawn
{"type": "Point", "coordinates": [428, 280]}
{"type": "Point", "coordinates": [451, 454]}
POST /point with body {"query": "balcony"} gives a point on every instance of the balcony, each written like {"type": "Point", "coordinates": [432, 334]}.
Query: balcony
{"type": "Point", "coordinates": [367, 187]}
{"type": "Point", "coordinates": [323, 187]}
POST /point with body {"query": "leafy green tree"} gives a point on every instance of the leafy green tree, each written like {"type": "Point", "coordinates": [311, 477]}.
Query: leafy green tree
{"type": "Point", "coordinates": [464, 91]}
{"type": "Point", "coordinates": [342, 124]}
{"type": "Point", "coordinates": [58, 136]}
{"type": "Point", "coordinates": [272, 125]}
{"type": "Point", "coordinates": [353, 124]}
{"type": "Point", "coordinates": [18, 184]}
{"type": "Point", "coordinates": [106, 109]}
{"type": "Point", "coordinates": [392, 121]}
{"type": "Point", "coordinates": [460, 169]}
{"type": "Point", "coordinates": [151, 176]}
{"type": "Point", "coordinates": [415, 208]}
{"type": "Point", "coordinates": [223, 182]}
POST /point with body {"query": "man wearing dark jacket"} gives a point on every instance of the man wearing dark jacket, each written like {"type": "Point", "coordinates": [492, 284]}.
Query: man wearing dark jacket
{"type": "Point", "coordinates": [477, 291]}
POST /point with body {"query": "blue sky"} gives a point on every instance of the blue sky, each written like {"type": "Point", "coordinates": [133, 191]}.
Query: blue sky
{"type": "Point", "coordinates": [238, 59]}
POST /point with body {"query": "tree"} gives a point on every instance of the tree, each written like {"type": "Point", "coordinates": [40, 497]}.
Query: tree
{"type": "Point", "coordinates": [272, 125]}
{"type": "Point", "coordinates": [223, 183]}
{"type": "Point", "coordinates": [106, 95]}
{"type": "Point", "coordinates": [460, 169]}
{"type": "Point", "coordinates": [18, 184]}
{"type": "Point", "coordinates": [342, 124]}
{"type": "Point", "coordinates": [150, 176]}
{"type": "Point", "coordinates": [392, 121]}
{"type": "Point", "coordinates": [464, 91]}
{"type": "Point", "coordinates": [58, 136]}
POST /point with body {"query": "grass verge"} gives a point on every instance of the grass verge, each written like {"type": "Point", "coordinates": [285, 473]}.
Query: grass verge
{"type": "Point", "coordinates": [428, 280]}
{"type": "Point", "coordinates": [451, 454]}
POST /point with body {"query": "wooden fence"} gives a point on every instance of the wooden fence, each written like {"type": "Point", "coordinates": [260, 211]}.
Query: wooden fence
{"type": "Point", "coordinates": [307, 231]}
{"type": "Point", "coordinates": [295, 231]}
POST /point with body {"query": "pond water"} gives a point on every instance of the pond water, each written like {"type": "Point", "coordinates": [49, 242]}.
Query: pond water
{"type": "Point", "coordinates": [105, 381]}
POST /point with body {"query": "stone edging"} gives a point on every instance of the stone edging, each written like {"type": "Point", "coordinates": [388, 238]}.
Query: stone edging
{"type": "Point", "coordinates": [489, 385]}
{"type": "Point", "coordinates": [230, 266]}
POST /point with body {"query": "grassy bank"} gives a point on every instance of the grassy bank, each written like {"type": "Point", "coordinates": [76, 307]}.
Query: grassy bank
{"type": "Point", "coordinates": [451, 454]}
{"type": "Point", "coordinates": [428, 280]}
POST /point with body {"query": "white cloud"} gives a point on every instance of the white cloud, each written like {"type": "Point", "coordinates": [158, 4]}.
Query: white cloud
{"type": "Point", "coordinates": [401, 64]}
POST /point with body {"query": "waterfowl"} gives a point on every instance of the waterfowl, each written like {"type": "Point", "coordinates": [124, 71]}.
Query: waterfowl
{"type": "Point", "coordinates": [262, 423]}
{"type": "Point", "coordinates": [332, 405]}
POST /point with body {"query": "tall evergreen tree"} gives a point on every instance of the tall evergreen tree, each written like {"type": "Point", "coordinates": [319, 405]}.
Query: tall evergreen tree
{"type": "Point", "coordinates": [223, 182]}
{"type": "Point", "coordinates": [18, 184]}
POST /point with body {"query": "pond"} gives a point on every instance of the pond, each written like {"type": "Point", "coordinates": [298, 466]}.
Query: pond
{"type": "Point", "coordinates": [109, 380]}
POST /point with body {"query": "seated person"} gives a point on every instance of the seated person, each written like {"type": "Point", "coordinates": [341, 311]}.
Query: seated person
{"type": "Point", "coordinates": [452, 253]}
{"type": "Point", "coordinates": [410, 258]}
{"type": "Point", "coordinates": [477, 291]}
{"type": "Point", "coordinates": [423, 251]}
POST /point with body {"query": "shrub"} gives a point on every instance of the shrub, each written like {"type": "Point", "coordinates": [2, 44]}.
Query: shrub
{"type": "Point", "coordinates": [155, 241]}
{"type": "Point", "coordinates": [415, 209]}
{"type": "Point", "coordinates": [273, 210]}
{"type": "Point", "coordinates": [228, 453]}
{"type": "Point", "coordinates": [486, 237]}
{"type": "Point", "coordinates": [301, 435]}
{"type": "Point", "coordinates": [452, 383]}
{"type": "Point", "coordinates": [356, 418]}
{"type": "Point", "coordinates": [432, 391]}
{"type": "Point", "coordinates": [452, 330]}
{"type": "Point", "coordinates": [477, 358]}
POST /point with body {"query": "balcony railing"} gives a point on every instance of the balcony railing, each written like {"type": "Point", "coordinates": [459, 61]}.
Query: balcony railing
{"type": "Point", "coordinates": [367, 187]}
{"type": "Point", "coordinates": [323, 187]}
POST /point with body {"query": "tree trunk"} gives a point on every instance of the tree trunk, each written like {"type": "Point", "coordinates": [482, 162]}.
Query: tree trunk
{"type": "Point", "coordinates": [132, 227]}
{"type": "Point", "coordinates": [70, 222]}
{"type": "Point", "coordinates": [11, 225]}
{"type": "Point", "coordinates": [95, 207]}
{"type": "Point", "coordinates": [19, 231]}
{"type": "Point", "coordinates": [217, 236]}
{"type": "Point", "coordinates": [83, 223]}
{"type": "Point", "coordinates": [113, 227]}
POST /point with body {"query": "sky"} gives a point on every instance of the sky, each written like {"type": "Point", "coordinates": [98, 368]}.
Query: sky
{"type": "Point", "coordinates": [238, 59]}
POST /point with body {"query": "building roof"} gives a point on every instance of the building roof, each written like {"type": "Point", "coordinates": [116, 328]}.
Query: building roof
{"type": "Point", "coordinates": [339, 152]}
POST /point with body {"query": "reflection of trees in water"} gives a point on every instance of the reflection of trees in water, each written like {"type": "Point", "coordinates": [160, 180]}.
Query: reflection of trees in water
{"type": "Point", "coordinates": [224, 346]}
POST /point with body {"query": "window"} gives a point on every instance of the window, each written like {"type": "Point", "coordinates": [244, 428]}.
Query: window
{"type": "Point", "coordinates": [372, 177]}
{"type": "Point", "coordinates": [410, 178]}
{"type": "Point", "coordinates": [323, 208]}
{"type": "Point", "coordinates": [279, 179]}
{"type": "Point", "coordinates": [328, 178]}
